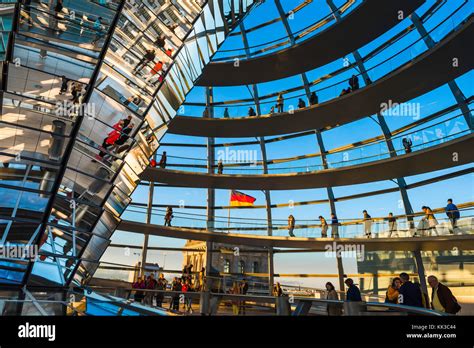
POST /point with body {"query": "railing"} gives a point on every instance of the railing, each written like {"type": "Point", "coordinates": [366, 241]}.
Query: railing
{"type": "Point", "coordinates": [330, 88]}
{"type": "Point", "coordinates": [379, 227]}
{"type": "Point", "coordinates": [78, 29]}
{"type": "Point", "coordinates": [38, 307]}
{"type": "Point", "coordinates": [106, 305]}
{"type": "Point", "coordinates": [210, 303]}
{"type": "Point", "coordinates": [272, 46]}
{"type": "Point", "coordinates": [443, 131]}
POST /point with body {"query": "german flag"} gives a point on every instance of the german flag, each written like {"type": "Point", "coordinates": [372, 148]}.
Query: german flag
{"type": "Point", "coordinates": [241, 199]}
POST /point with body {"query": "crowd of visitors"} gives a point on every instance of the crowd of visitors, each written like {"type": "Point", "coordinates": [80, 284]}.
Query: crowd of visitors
{"type": "Point", "coordinates": [401, 291]}
{"type": "Point", "coordinates": [427, 224]}
{"type": "Point", "coordinates": [179, 286]}
{"type": "Point", "coordinates": [405, 292]}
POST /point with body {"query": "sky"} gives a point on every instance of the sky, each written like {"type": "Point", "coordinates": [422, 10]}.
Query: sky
{"type": "Point", "coordinates": [459, 188]}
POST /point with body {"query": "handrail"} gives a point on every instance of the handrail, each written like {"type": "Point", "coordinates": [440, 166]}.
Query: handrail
{"type": "Point", "coordinates": [342, 222]}
{"type": "Point", "coordinates": [298, 158]}
{"type": "Point", "coordinates": [398, 53]}
{"type": "Point", "coordinates": [407, 309]}
{"type": "Point", "coordinates": [320, 167]}
{"type": "Point", "coordinates": [316, 25]}
{"type": "Point", "coordinates": [273, 299]}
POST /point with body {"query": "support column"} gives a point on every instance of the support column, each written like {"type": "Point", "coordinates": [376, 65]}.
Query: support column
{"type": "Point", "coordinates": [420, 268]}
{"type": "Point", "coordinates": [319, 139]}
{"type": "Point", "coordinates": [149, 212]}
{"type": "Point", "coordinates": [453, 86]}
{"type": "Point", "coordinates": [211, 194]}
{"type": "Point", "coordinates": [401, 180]}
{"type": "Point", "coordinates": [261, 140]}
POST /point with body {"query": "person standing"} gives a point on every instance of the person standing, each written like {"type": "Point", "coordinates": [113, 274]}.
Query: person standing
{"type": "Point", "coordinates": [235, 303]}
{"type": "Point", "coordinates": [160, 286]}
{"type": "Point", "coordinates": [407, 144]}
{"type": "Point", "coordinates": [430, 219]}
{"type": "Point", "coordinates": [147, 58]}
{"type": "Point", "coordinates": [334, 226]}
{"type": "Point", "coordinates": [168, 216]}
{"type": "Point", "coordinates": [124, 136]}
{"type": "Point", "coordinates": [27, 8]}
{"type": "Point", "coordinates": [226, 113]}
{"type": "Point", "coordinates": [251, 112]}
{"type": "Point", "coordinates": [139, 285]}
{"type": "Point", "coordinates": [453, 214]}
{"type": "Point", "coordinates": [391, 296]}
{"type": "Point", "coordinates": [244, 288]}
{"type": "Point", "coordinates": [331, 294]}
{"type": "Point", "coordinates": [177, 287]}
{"type": "Point", "coordinates": [64, 85]}
{"type": "Point", "coordinates": [76, 90]}
{"type": "Point", "coordinates": [160, 41]}
{"type": "Point", "coordinates": [150, 285]}
{"type": "Point", "coordinates": [99, 31]}
{"type": "Point", "coordinates": [313, 99]}
{"type": "Point", "coordinates": [301, 103]}
{"type": "Point", "coordinates": [324, 227]}
{"type": "Point", "coordinates": [291, 225]}
{"type": "Point", "coordinates": [353, 292]}
{"type": "Point", "coordinates": [277, 290]}
{"type": "Point", "coordinates": [220, 167]}
{"type": "Point", "coordinates": [367, 224]}
{"type": "Point", "coordinates": [354, 83]}
{"type": "Point", "coordinates": [162, 162]}
{"type": "Point", "coordinates": [280, 103]}
{"type": "Point", "coordinates": [442, 299]}
{"type": "Point", "coordinates": [57, 10]}
{"type": "Point", "coordinates": [392, 224]}
{"type": "Point", "coordinates": [189, 301]}
{"type": "Point", "coordinates": [409, 293]}
{"type": "Point", "coordinates": [112, 137]}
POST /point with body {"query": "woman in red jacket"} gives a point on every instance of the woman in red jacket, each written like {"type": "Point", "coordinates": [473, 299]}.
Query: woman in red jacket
{"type": "Point", "coordinates": [112, 137]}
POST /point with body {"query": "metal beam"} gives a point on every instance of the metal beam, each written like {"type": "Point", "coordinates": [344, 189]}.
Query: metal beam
{"type": "Point", "coordinates": [34, 301]}
{"type": "Point", "coordinates": [211, 193]}
{"type": "Point", "coordinates": [453, 86]}
{"type": "Point", "coordinates": [73, 135]}
{"type": "Point", "coordinates": [261, 140]}
{"type": "Point", "coordinates": [149, 212]}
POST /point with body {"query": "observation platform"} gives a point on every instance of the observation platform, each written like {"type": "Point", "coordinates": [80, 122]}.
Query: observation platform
{"type": "Point", "coordinates": [447, 242]}
{"type": "Point", "coordinates": [418, 162]}
{"type": "Point", "coordinates": [428, 71]}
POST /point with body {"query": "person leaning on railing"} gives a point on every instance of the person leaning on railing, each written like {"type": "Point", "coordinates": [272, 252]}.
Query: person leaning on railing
{"type": "Point", "coordinates": [324, 227]}
{"type": "Point", "coordinates": [453, 214]}
{"type": "Point", "coordinates": [334, 226]}
{"type": "Point", "coordinates": [430, 220]}
{"type": "Point", "coordinates": [277, 290]}
{"type": "Point", "coordinates": [291, 225]}
{"type": "Point", "coordinates": [392, 224]}
{"type": "Point", "coordinates": [367, 224]}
